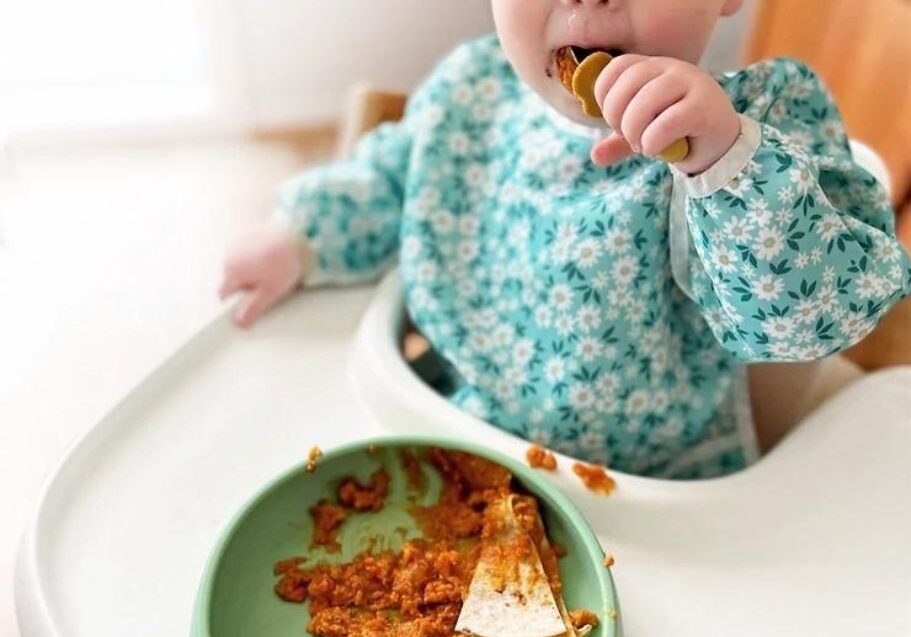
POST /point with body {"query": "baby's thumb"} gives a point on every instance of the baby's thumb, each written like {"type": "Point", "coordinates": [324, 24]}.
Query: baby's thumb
{"type": "Point", "coordinates": [253, 305]}
{"type": "Point", "coordinates": [610, 150]}
{"type": "Point", "coordinates": [235, 277]}
{"type": "Point", "coordinates": [229, 285]}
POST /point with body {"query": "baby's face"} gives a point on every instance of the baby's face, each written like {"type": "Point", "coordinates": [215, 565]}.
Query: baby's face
{"type": "Point", "coordinates": [532, 31]}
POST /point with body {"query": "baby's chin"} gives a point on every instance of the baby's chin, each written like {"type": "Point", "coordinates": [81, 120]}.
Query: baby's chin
{"type": "Point", "coordinates": [567, 105]}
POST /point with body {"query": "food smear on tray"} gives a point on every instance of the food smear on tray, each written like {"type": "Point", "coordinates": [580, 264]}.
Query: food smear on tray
{"type": "Point", "coordinates": [595, 478]}
{"type": "Point", "coordinates": [312, 458]}
{"type": "Point", "coordinates": [538, 457]}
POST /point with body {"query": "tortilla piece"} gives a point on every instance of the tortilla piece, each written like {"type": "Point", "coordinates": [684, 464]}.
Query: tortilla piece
{"type": "Point", "coordinates": [510, 594]}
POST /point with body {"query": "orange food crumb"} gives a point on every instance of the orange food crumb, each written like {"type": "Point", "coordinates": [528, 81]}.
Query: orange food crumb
{"type": "Point", "coordinates": [609, 560]}
{"type": "Point", "coordinates": [293, 586]}
{"type": "Point", "coordinates": [284, 566]}
{"type": "Point", "coordinates": [365, 498]}
{"type": "Point", "coordinates": [566, 67]}
{"type": "Point", "coordinates": [327, 518]}
{"type": "Point", "coordinates": [595, 478]}
{"type": "Point", "coordinates": [540, 458]}
{"type": "Point", "coordinates": [416, 592]}
{"type": "Point", "coordinates": [416, 481]}
{"type": "Point", "coordinates": [581, 618]}
{"type": "Point", "coordinates": [315, 454]}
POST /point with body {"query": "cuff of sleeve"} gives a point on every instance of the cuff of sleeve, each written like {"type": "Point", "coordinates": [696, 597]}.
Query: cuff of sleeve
{"type": "Point", "coordinates": [305, 251]}
{"type": "Point", "coordinates": [731, 164]}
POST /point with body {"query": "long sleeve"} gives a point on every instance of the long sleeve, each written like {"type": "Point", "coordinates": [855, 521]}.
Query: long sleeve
{"type": "Point", "coordinates": [349, 211]}
{"type": "Point", "coordinates": [793, 249]}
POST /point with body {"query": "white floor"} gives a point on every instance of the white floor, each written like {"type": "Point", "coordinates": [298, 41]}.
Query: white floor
{"type": "Point", "coordinates": [109, 258]}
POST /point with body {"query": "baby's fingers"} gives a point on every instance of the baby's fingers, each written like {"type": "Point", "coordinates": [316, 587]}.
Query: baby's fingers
{"type": "Point", "coordinates": [230, 284]}
{"type": "Point", "coordinates": [253, 305]}
{"type": "Point", "coordinates": [653, 99]}
{"type": "Point", "coordinates": [620, 81]}
{"type": "Point", "coordinates": [611, 150]}
{"type": "Point", "coordinates": [237, 275]}
{"type": "Point", "coordinates": [672, 124]}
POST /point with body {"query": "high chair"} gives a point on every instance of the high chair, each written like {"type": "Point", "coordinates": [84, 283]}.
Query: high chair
{"type": "Point", "coordinates": [810, 540]}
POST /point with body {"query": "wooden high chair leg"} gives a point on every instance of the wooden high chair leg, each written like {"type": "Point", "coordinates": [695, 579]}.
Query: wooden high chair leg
{"type": "Point", "coordinates": [366, 109]}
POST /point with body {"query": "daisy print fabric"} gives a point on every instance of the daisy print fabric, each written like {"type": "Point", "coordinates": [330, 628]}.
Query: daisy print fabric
{"type": "Point", "coordinates": [547, 283]}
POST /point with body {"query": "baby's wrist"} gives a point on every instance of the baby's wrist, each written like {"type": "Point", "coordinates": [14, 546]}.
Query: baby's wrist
{"type": "Point", "coordinates": [712, 147]}
{"type": "Point", "coordinates": [306, 257]}
{"type": "Point", "coordinates": [299, 244]}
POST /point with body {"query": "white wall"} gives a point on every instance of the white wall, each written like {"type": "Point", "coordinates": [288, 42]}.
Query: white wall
{"type": "Point", "coordinates": [302, 55]}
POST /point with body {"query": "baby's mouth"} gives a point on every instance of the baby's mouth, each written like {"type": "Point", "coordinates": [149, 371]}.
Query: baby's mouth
{"type": "Point", "coordinates": [581, 52]}
{"type": "Point", "coordinates": [568, 59]}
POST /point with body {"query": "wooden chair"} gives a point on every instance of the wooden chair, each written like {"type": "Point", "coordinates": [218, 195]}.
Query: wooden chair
{"type": "Point", "coordinates": [366, 109]}
{"type": "Point", "coordinates": [863, 52]}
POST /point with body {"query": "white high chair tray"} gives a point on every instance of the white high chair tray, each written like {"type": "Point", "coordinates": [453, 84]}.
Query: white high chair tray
{"type": "Point", "coordinates": [811, 541]}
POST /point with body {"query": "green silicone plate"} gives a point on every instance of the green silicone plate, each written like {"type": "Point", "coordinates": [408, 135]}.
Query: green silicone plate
{"type": "Point", "coordinates": [236, 598]}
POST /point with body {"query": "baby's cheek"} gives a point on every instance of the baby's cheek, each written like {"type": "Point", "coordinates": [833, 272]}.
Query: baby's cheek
{"type": "Point", "coordinates": [677, 29]}
{"type": "Point", "coordinates": [522, 28]}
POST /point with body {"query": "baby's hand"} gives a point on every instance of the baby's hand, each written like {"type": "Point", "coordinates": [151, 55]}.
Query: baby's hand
{"type": "Point", "coordinates": [266, 264]}
{"type": "Point", "coordinates": [650, 102]}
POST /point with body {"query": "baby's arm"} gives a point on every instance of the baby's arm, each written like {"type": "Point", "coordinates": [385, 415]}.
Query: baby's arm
{"type": "Point", "coordinates": [794, 254]}
{"type": "Point", "coordinates": [335, 224]}
{"type": "Point", "coordinates": [339, 223]}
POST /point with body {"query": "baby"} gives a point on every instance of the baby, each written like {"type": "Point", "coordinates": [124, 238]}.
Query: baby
{"type": "Point", "coordinates": [586, 295]}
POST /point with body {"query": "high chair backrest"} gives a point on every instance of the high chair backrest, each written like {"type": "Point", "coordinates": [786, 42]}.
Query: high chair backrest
{"type": "Point", "coordinates": [863, 52]}
{"type": "Point", "coordinates": [366, 109]}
